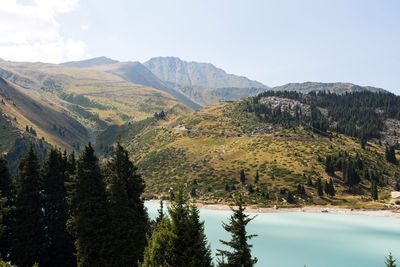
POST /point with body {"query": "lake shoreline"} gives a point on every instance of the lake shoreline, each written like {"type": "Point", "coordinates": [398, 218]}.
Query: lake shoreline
{"type": "Point", "coordinates": [392, 212]}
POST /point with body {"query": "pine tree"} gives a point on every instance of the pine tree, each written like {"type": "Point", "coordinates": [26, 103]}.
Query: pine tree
{"type": "Point", "coordinates": [257, 178]}
{"type": "Point", "coordinates": [290, 198]}
{"type": "Point", "coordinates": [3, 212]}
{"type": "Point", "coordinates": [374, 191]}
{"type": "Point", "coordinates": [250, 189]}
{"type": "Point", "coordinates": [90, 217]}
{"type": "Point", "coordinates": [320, 189]}
{"type": "Point", "coordinates": [390, 153]}
{"type": "Point", "coordinates": [7, 195]}
{"type": "Point", "coordinates": [242, 177]}
{"type": "Point", "coordinates": [301, 190]}
{"type": "Point", "coordinates": [390, 261]}
{"type": "Point", "coordinates": [159, 249]}
{"type": "Point", "coordinates": [129, 219]}
{"type": "Point", "coordinates": [329, 167]}
{"type": "Point", "coordinates": [240, 251]}
{"type": "Point", "coordinates": [28, 229]}
{"type": "Point", "coordinates": [160, 212]}
{"type": "Point", "coordinates": [188, 233]}
{"type": "Point", "coordinates": [199, 247]}
{"type": "Point", "coordinates": [178, 240]}
{"type": "Point", "coordinates": [331, 187]}
{"type": "Point", "coordinates": [59, 244]}
{"type": "Point", "coordinates": [309, 181]}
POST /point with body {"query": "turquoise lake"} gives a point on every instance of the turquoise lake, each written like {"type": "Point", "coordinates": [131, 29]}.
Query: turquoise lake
{"type": "Point", "coordinates": [311, 239]}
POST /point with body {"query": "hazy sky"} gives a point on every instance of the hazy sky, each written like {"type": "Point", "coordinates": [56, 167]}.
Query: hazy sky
{"type": "Point", "coordinates": [274, 42]}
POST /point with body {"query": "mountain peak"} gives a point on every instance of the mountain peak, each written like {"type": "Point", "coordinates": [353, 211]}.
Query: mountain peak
{"type": "Point", "coordinates": [185, 73]}
{"type": "Point", "coordinates": [91, 62]}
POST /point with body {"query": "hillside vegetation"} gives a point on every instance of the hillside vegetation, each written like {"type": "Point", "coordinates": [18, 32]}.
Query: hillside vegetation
{"type": "Point", "coordinates": [69, 106]}
{"type": "Point", "coordinates": [207, 151]}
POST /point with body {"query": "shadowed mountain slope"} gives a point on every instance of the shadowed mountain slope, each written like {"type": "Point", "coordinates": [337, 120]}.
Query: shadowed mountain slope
{"type": "Point", "coordinates": [137, 73]}
{"type": "Point", "coordinates": [53, 125]}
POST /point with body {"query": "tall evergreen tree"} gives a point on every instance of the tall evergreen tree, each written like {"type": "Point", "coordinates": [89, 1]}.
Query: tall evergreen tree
{"type": "Point", "coordinates": [199, 247]}
{"type": "Point", "coordinates": [158, 252]}
{"type": "Point", "coordinates": [240, 251]}
{"type": "Point", "coordinates": [90, 218]}
{"type": "Point", "coordinates": [8, 197]}
{"type": "Point", "coordinates": [390, 261]}
{"type": "Point", "coordinates": [309, 181]}
{"type": "Point", "coordinates": [242, 177]}
{"type": "Point", "coordinates": [329, 166]}
{"type": "Point", "coordinates": [160, 211]}
{"type": "Point", "coordinates": [320, 188]}
{"type": "Point", "coordinates": [390, 154]}
{"type": "Point", "coordinates": [290, 197]}
{"type": "Point", "coordinates": [374, 191]}
{"type": "Point", "coordinates": [28, 230]}
{"type": "Point", "coordinates": [183, 226]}
{"type": "Point", "coordinates": [178, 240]}
{"type": "Point", "coordinates": [329, 188]}
{"type": "Point", "coordinates": [129, 219]}
{"type": "Point", "coordinates": [257, 178]}
{"type": "Point", "coordinates": [59, 243]}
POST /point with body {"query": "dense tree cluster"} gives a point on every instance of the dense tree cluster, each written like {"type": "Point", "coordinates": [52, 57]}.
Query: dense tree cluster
{"type": "Point", "coordinates": [30, 130]}
{"type": "Point", "coordinates": [72, 213]}
{"type": "Point", "coordinates": [162, 115]}
{"type": "Point", "coordinates": [78, 213]}
{"type": "Point", "coordinates": [352, 168]}
{"type": "Point", "coordinates": [178, 239]}
{"type": "Point", "coordinates": [357, 114]}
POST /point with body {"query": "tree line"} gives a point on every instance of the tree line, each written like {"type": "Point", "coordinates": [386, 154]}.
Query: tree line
{"type": "Point", "coordinates": [357, 114]}
{"type": "Point", "coordinates": [78, 212]}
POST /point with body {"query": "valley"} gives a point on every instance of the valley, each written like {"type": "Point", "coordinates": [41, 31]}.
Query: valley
{"type": "Point", "coordinates": [272, 148]}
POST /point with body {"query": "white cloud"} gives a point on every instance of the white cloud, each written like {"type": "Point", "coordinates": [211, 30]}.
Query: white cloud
{"type": "Point", "coordinates": [31, 32]}
{"type": "Point", "coordinates": [85, 27]}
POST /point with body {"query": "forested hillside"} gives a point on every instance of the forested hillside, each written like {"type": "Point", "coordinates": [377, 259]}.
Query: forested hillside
{"type": "Point", "coordinates": [276, 148]}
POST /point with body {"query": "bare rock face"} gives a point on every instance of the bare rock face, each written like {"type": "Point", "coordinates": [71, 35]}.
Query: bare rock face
{"type": "Point", "coordinates": [203, 82]}
{"type": "Point", "coordinates": [391, 135]}
{"type": "Point", "coordinates": [286, 105]}
{"type": "Point", "coordinates": [175, 70]}
{"type": "Point", "coordinates": [395, 195]}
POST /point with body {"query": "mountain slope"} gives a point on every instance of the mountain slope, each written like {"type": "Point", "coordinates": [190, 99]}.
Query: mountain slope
{"type": "Point", "coordinates": [92, 62]}
{"type": "Point", "coordinates": [339, 88]}
{"type": "Point", "coordinates": [93, 97]}
{"type": "Point", "coordinates": [177, 71]}
{"type": "Point", "coordinates": [207, 150]}
{"type": "Point", "coordinates": [199, 80]}
{"type": "Point", "coordinates": [137, 73]}
{"type": "Point", "coordinates": [55, 126]}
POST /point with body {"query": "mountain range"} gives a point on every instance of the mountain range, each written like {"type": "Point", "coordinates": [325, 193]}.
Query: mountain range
{"type": "Point", "coordinates": [193, 122]}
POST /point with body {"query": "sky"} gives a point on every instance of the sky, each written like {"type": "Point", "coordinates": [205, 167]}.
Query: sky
{"type": "Point", "coordinates": [274, 42]}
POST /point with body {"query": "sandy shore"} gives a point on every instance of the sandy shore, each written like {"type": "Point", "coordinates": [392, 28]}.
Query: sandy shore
{"type": "Point", "coordinates": [395, 213]}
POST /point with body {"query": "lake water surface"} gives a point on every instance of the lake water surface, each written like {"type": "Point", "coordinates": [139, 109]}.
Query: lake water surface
{"type": "Point", "coordinates": [310, 239]}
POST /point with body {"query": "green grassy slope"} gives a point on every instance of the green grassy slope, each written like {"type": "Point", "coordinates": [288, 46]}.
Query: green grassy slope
{"type": "Point", "coordinates": [207, 150]}
{"type": "Point", "coordinates": [93, 98]}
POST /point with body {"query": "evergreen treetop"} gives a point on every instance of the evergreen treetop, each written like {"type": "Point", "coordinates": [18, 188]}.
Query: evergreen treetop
{"type": "Point", "coordinates": [240, 250]}
{"type": "Point", "coordinates": [390, 261]}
